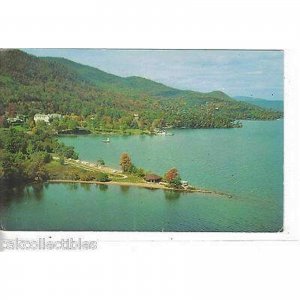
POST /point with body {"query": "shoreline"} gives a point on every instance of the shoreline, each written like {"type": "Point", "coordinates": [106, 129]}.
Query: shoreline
{"type": "Point", "coordinates": [138, 184]}
{"type": "Point", "coordinates": [149, 133]}
{"type": "Point", "coordinates": [113, 172]}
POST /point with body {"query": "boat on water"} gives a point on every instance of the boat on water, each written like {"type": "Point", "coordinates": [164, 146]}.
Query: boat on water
{"type": "Point", "coordinates": [107, 140]}
{"type": "Point", "coordinates": [163, 132]}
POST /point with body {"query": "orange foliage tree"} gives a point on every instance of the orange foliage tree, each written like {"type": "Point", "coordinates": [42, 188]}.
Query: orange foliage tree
{"type": "Point", "coordinates": [125, 162]}
{"type": "Point", "coordinates": [171, 175]}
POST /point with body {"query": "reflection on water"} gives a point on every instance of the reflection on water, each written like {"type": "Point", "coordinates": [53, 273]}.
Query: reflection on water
{"type": "Point", "coordinates": [86, 186]}
{"type": "Point", "coordinates": [150, 189]}
{"type": "Point", "coordinates": [103, 187]}
{"type": "Point", "coordinates": [19, 193]}
{"type": "Point", "coordinates": [171, 195]}
{"type": "Point", "coordinates": [56, 207]}
{"type": "Point", "coordinates": [124, 188]}
{"type": "Point", "coordinates": [37, 190]}
{"type": "Point", "coordinates": [72, 186]}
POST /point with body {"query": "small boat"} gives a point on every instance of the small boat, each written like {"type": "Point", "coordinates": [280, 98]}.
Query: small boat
{"type": "Point", "coordinates": [106, 141]}
{"type": "Point", "coordinates": [161, 133]}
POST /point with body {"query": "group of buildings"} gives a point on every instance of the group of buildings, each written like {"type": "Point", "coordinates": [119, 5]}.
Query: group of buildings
{"type": "Point", "coordinates": [20, 119]}
{"type": "Point", "coordinates": [46, 118]}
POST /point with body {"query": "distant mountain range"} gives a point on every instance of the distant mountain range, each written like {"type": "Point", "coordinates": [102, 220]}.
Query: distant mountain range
{"type": "Point", "coordinates": [271, 104]}
{"type": "Point", "coordinates": [30, 85]}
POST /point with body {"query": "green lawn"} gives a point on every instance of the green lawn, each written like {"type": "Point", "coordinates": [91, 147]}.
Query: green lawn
{"type": "Point", "coordinates": [58, 171]}
{"type": "Point", "coordinates": [73, 172]}
{"type": "Point", "coordinates": [20, 127]}
{"type": "Point", "coordinates": [130, 178]}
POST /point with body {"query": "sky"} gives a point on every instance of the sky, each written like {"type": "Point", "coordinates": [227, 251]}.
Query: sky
{"type": "Point", "coordinates": [249, 73]}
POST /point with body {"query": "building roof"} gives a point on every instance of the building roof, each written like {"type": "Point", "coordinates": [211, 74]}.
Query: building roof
{"type": "Point", "coordinates": [150, 177]}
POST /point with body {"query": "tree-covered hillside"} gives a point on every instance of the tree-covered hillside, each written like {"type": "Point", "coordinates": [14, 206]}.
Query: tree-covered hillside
{"type": "Point", "coordinates": [30, 85]}
{"type": "Point", "coordinates": [275, 105]}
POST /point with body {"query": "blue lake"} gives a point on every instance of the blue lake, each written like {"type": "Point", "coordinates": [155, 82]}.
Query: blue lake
{"type": "Point", "coordinates": [244, 162]}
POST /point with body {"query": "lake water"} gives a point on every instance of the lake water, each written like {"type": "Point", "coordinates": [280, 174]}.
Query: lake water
{"type": "Point", "coordinates": [244, 162]}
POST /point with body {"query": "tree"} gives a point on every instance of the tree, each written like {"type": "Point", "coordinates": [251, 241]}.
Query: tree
{"type": "Point", "coordinates": [171, 174]}
{"type": "Point", "coordinates": [176, 182]}
{"type": "Point", "coordinates": [125, 162]}
{"type": "Point", "coordinates": [12, 168]}
{"type": "Point", "coordinates": [15, 141]}
{"type": "Point", "coordinates": [140, 172]}
{"type": "Point", "coordinates": [173, 177]}
{"type": "Point", "coordinates": [35, 167]}
{"type": "Point", "coordinates": [3, 121]}
{"type": "Point", "coordinates": [11, 109]}
{"type": "Point", "coordinates": [132, 169]}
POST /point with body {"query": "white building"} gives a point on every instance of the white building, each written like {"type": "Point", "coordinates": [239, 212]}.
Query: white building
{"type": "Point", "coordinates": [41, 118]}
{"type": "Point", "coordinates": [54, 116]}
{"type": "Point", "coordinates": [46, 118]}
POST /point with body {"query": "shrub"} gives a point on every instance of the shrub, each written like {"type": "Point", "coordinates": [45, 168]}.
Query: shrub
{"type": "Point", "coordinates": [47, 158]}
{"type": "Point", "coordinates": [102, 177]}
{"type": "Point", "coordinates": [62, 160]}
{"type": "Point", "coordinates": [132, 169]}
{"type": "Point", "coordinates": [140, 172]}
{"type": "Point", "coordinates": [176, 182]}
{"type": "Point", "coordinates": [87, 177]}
{"type": "Point", "coordinates": [136, 171]}
{"type": "Point", "coordinates": [100, 162]}
{"type": "Point", "coordinates": [73, 175]}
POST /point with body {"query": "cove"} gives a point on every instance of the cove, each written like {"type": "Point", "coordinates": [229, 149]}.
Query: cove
{"type": "Point", "coordinates": [245, 162]}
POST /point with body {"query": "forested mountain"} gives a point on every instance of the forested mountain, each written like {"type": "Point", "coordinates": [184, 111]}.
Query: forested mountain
{"type": "Point", "coordinates": [276, 105]}
{"type": "Point", "coordinates": [30, 85]}
{"type": "Point", "coordinates": [133, 85]}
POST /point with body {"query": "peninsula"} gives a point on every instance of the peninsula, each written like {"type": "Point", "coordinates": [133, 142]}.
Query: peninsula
{"type": "Point", "coordinates": [66, 174]}
{"type": "Point", "coordinates": [38, 156]}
